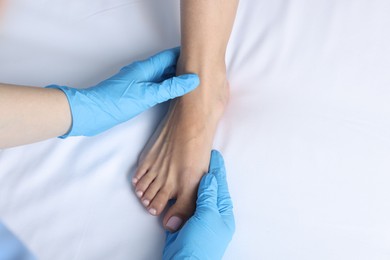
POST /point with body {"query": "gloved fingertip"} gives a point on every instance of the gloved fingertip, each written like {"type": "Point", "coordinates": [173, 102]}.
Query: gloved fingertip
{"type": "Point", "coordinates": [168, 56]}
{"type": "Point", "coordinates": [217, 157]}
{"type": "Point", "coordinates": [189, 81]}
{"type": "Point", "coordinates": [216, 161]}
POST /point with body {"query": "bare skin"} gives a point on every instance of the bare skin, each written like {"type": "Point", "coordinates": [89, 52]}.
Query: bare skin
{"type": "Point", "coordinates": [178, 154]}
{"type": "Point", "coordinates": [32, 114]}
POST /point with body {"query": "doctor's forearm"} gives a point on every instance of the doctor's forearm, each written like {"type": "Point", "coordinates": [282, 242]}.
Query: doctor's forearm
{"type": "Point", "coordinates": [31, 114]}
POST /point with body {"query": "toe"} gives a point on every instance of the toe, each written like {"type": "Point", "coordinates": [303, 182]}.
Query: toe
{"type": "Point", "coordinates": [143, 184]}
{"type": "Point", "coordinates": [160, 201]}
{"type": "Point", "coordinates": [151, 192]}
{"type": "Point", "coordinates": [178, 214]}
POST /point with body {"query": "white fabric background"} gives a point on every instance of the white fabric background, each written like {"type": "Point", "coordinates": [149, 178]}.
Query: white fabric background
{"type": "Point", "coordinates": [305, 136]}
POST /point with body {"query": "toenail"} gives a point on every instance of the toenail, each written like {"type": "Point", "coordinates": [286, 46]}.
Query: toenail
{"type": "Point", "coordinates": [146, 202]}
{"type": "Point", "coordinates": [174, 223]}
{"type": "Point", "coordinates": [139, 194]}
{"type": "Point", "coordinates": [134, 180]}
{"type": "Point", "coordinates": [153, 211]}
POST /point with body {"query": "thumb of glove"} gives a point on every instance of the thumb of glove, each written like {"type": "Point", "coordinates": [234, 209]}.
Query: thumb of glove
{"type": "Point", "coordinates": [207, 193]}
{"type": "Point", "coordinates": [174, 87]}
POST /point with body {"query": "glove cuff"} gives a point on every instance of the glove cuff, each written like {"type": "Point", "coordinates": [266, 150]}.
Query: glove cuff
{"type": "Point", "coordinates": [69, 92]}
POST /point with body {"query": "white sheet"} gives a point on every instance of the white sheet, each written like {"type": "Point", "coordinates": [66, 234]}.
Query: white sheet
{"type": "Point", "coordinates": [305, 136]}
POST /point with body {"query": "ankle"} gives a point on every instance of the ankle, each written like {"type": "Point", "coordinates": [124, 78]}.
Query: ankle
{"type": "Point", "coordinates": [200, 66]}
{"type": "Point", "coordinates": [199, 61]}
{"type": "Point", "coordinates": [212, 94]}
{"type": "Point", "coordinates": [208, 100]}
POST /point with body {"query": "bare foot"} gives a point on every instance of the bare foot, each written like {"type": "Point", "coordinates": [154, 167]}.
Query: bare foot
{"type": "Point", "coordinates": [178, 154]}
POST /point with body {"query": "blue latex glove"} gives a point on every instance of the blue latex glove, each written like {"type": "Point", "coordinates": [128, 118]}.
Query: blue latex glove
{"type": "Point", "coordinates": [11, 248]}
{"type": "Point", "coordinates": [208, 232]}
{"type": "Point", "coordinates": [134, 89]}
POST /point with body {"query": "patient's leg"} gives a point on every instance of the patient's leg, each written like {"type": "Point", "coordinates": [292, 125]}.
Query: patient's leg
{"type": "Point", "coordinates": [178, 154]}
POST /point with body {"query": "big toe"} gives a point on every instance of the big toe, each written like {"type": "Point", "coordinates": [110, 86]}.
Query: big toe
{"type": "Point", "coordinates": [179, 213]}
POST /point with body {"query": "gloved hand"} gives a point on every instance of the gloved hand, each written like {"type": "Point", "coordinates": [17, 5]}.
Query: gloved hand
{"type": "Point", "coordinates": [132, 90]}
{"type": "Point", "coordinates": [11, 248]}
{"type": "Point", "coordinates": [208, 232]}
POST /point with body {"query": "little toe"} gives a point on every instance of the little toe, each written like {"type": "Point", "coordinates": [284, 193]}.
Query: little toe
{"type": "Point", "coordinates": [159, 202]}
{"type": "Point", "coordinates": [179, 213]}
